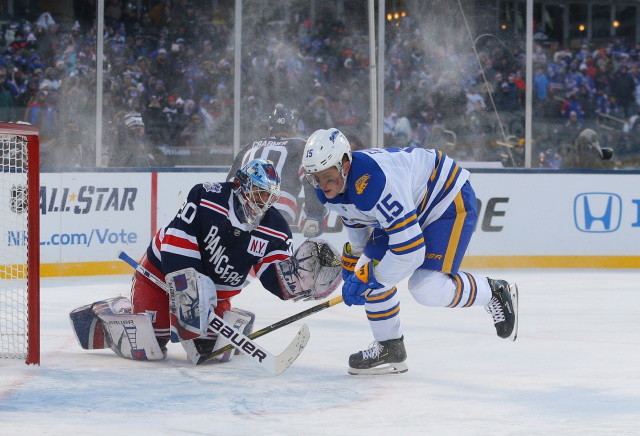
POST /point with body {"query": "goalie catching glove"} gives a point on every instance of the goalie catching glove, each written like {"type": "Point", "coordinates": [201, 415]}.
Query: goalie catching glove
{"type": "Point", "coordinates": [312, 273]}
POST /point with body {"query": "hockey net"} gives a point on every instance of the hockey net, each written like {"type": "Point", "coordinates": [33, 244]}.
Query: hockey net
{"type": "Point", "coordinates": [20, 241]}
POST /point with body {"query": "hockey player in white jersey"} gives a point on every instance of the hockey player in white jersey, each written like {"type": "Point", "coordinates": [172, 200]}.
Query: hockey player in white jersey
{"type": "Point", "coordinates": [409, 212]}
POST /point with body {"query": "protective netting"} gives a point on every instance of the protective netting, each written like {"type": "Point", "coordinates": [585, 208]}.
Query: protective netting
{"type": "Point", "coordinates": [14, 332]}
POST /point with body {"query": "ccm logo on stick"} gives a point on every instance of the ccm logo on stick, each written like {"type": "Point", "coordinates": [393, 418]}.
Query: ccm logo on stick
{"type": "Point", "coordinates": [246, 346]}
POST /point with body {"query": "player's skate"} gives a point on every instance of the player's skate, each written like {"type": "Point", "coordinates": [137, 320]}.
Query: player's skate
{"type": "Point", "coordinates": [503, 307]}
{"type": "Point", "coordinates": [384, 357]}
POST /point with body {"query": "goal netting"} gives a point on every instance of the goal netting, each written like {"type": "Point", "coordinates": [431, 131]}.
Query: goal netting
{"type": "Point", "coordinates": [20, 242]}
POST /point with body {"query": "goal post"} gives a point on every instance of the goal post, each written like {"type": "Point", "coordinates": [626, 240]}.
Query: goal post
{"type": "Point", "coordinates": [20, 242]}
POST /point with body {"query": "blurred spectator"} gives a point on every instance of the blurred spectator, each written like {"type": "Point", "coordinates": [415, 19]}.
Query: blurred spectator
{"type": "Point", "coordinates": [132, 149]}
{"type": "Point", "coordinates": [73, 150]}
{"type": "Point", "coordinates": [195, 133]}
{"type": "Point", "coordinates": [156, 123]}
{"type": "Point", "coordinates": [506, 98]}
{"type": "Point", "coordinates": [572, 104]}
{"type": "Point", "coordinates": [572, 128]}
{"type": "Point", "coordinates": [540, 87]}
{"type": "Point", "coordinates": [623, 88]}
{"type": "Point", "coordinates": [51, 80]}
{"type": "Point", "coordinates": [6, 99]}
{"type": "Point", "coordinates": [316, 114]}
{"type": "Point", "coordinates": [41, 112]}
{"type": "Point", "coordinates": [475, 101]}
{"type": "Point", "coordinates": [22, 100]}
{"type": "Point", "coordinates": [176, 119]}
{"type": "Point", "coordinates": [631, 139]}
{"type": "Point", "coordinates": [345, 114]}
{"type": "Point", "coordinates": [549, 158]}
{"type": "Point", "coordinates": [587, 102]}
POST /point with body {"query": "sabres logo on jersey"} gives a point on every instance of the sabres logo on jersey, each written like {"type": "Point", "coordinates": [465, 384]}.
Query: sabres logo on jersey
{"type": "Point", "coordinates": [212, 187]}
{"type": "Point", "coordinates": [362, 183]}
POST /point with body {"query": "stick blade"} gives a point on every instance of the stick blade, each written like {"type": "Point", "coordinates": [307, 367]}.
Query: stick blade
{"type": "Point", "coordinates": [293, 350]}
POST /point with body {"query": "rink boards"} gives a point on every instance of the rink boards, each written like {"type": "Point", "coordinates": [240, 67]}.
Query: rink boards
{"type": "Point", "coordinates": [526, 219]}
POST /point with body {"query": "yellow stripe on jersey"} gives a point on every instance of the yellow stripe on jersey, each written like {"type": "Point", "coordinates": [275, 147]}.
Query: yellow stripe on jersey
{"type": "Point", "coordinates": [402, 223]}
{"type": "Point", "coordinates": [437, 164]}
{"type": "Point", "coordinates": [423, 203]}
{"type": "Point", "coordinates": [452, 248]}
{"type": "Point", "coordinates": [408, 246]}
{"type": "Point", "coordinates": [452, 177]}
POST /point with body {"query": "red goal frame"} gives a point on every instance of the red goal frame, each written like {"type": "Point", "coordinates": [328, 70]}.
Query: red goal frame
{"type": "Point", "coordinates": [33, 245]}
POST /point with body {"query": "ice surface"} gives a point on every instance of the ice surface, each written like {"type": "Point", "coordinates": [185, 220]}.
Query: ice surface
{"type": "Point", "coordinates": [574, 370]}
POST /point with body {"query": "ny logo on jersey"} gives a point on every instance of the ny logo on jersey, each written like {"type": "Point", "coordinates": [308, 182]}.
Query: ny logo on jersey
{"type": "Point", "coordinates": [257, 246]}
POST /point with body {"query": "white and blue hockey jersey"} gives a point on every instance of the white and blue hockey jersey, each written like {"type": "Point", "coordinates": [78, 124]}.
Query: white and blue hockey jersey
{"type": "Point", "coordinates": [401, 191]}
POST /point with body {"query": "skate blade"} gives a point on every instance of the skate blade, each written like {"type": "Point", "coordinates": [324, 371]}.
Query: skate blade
{"type": "Point", "coordinates": [389, 368]}
{"type": "Point", "coordinates": [513, 291]}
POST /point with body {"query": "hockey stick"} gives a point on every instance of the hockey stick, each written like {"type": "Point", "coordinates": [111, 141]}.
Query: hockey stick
{"type": "Point", "coordinates": [275, 364]}
{"type": "Point", "coordinates": [275, 326]}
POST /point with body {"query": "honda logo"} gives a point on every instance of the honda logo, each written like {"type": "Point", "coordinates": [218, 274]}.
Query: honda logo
{"type": "Point", "coordinates": [597, 212]}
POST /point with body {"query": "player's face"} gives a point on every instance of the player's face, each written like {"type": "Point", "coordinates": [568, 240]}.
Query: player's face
{"type": "Point", "coordinates": [260, 197]}
{"type": "Point", "coordinates": [330, 181]}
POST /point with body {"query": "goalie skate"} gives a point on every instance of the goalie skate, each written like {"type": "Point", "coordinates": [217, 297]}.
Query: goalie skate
{"type": "Point", "coordinates": [384, 357]}
{"type": "Point", "coordinates": [503, 307]}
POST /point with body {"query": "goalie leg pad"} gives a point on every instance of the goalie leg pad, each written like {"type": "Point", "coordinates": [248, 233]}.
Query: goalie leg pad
{"type": "Point", "coordinates": [241, 320]}
{"type": "Point", "coordinates": [110, 324]}
{"type": "Point", "coordinates": [192, 297]}
{"type": "Point", "coordinates": [131, 336]}
{"type": "Point", "coordinates": [87, 328]}
{"type": "Point", "coordinates": [86, 324]}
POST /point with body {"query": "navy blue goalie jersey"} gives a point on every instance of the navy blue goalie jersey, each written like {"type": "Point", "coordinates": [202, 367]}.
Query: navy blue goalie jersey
{"type": "Point", "coordinates": [207, 235]}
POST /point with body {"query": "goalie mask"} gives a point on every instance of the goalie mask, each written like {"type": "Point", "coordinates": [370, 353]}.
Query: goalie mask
{"type": "Point", "coordinates": [257, 189]}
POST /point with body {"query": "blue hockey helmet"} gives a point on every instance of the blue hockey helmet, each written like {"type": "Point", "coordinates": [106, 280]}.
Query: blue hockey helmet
{"type": "Point", "coordinates": [258, 188]}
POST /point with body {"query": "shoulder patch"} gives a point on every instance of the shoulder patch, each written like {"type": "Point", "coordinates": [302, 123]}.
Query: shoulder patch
{"type": "Point", "coordinates": [212, 187]}
{"type": "Point", "coordinates": [366, 182]}
{"type": "Point", "coordinates": [362, 183]}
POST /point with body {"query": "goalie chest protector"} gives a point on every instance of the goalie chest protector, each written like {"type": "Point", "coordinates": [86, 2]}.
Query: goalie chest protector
{"type": "Point", "coordinates": [226, 249]}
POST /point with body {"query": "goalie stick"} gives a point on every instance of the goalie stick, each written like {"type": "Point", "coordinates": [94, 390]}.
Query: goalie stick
{"type": "Point", "coordinates": [275, 364]}
{"type": "Point", "coordinates": [275, 326]}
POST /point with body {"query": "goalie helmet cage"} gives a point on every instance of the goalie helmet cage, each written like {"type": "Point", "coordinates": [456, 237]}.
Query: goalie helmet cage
{"type": "Point", "coordinates": [20, 239]}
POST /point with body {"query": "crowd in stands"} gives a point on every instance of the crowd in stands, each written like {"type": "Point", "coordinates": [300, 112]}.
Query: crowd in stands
{"type": "Point", "coordinates": [168, 86]}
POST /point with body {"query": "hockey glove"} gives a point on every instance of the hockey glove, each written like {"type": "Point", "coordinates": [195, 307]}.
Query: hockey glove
{"type": "Point", "coordinates": [349, 261]}
{"type": "Point", "coordinates": [358, 285]}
